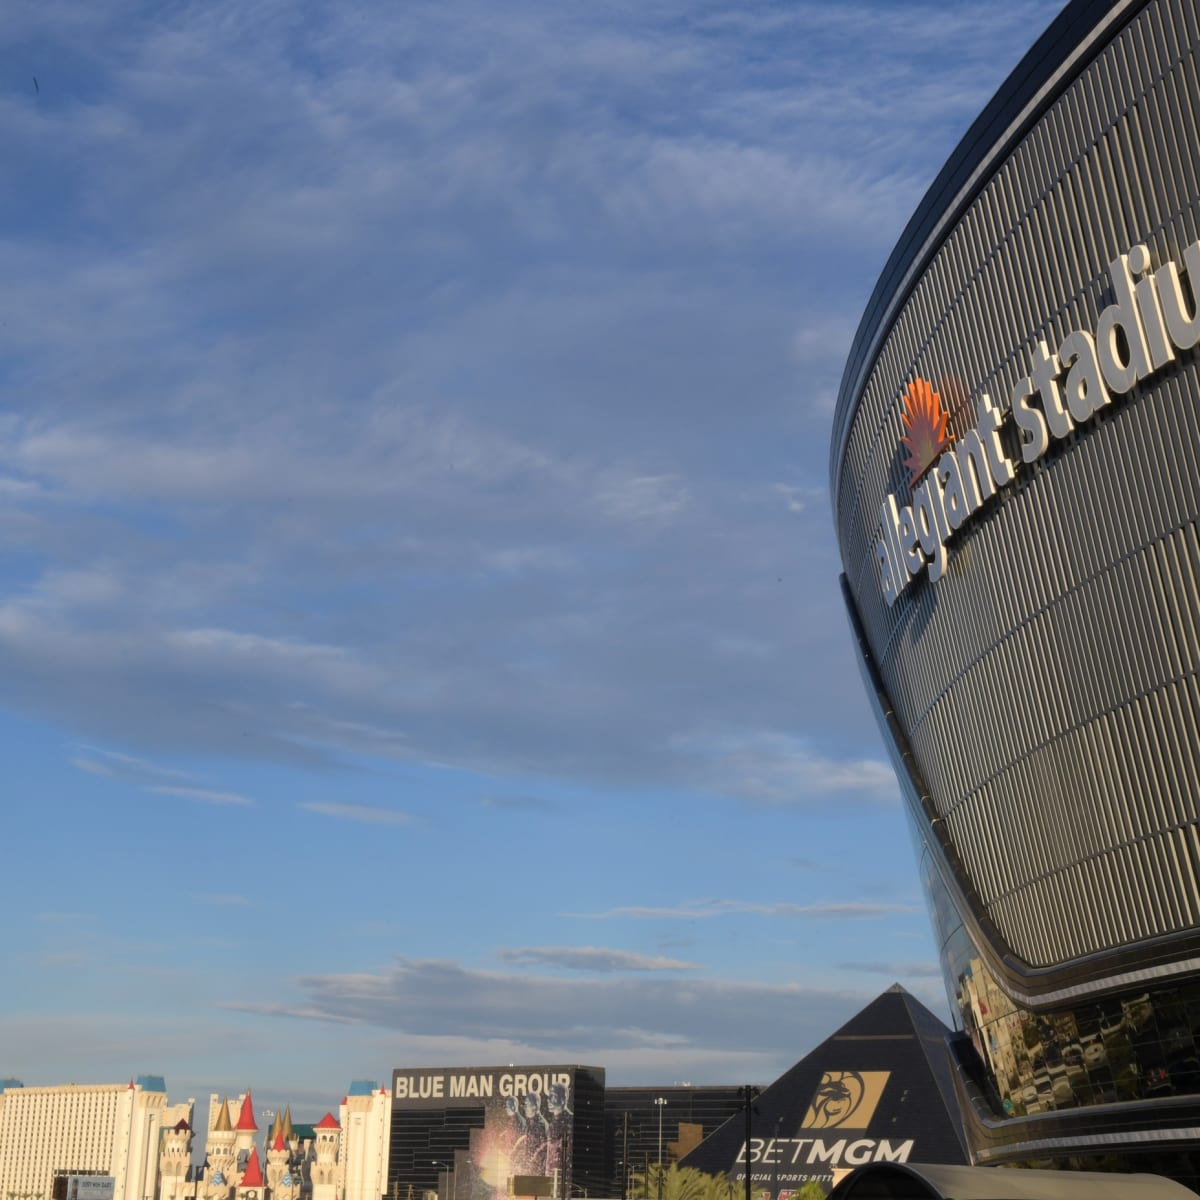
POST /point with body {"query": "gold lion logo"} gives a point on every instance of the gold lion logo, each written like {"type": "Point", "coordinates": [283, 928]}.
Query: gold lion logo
{"type": "Point", "coordinates": [845, 1099]}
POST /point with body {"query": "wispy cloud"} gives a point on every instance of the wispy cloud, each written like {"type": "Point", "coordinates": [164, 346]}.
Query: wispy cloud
{"type": "Point", "coordinates": [364, 814]}
{"type": "Point", "coordinates": [591, 958]}
{"type": "Point", "coordinates": [203, 795]}
{"type": "Point", "coordinates": [649, 498]}
{"type": "Point", "coordinates": [783, 770]}
{"type": "Point", "coordinates": [114, 765]}
{"type": "Point", "coordinates": [896, 970]}
{"type": "Point", "coordinates": [518, 802]}
{"type": "Point", "coordinates": [552, 1014]}
{"type": "Point", "coordinates": [63, 959]}
{"type": "Point", "coordinates": [151, 777]}
{"type": "Point", "coordinates": [807, 864]}
{"type": "Point", "coordinates": [709, 909]}
{"type": "Point", "coordinates": [443, 396]}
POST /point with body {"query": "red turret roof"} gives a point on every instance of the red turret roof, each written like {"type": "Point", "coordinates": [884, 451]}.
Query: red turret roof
{"type": "Point", "coordinates": [253, 1176]}
{"type": "Point", "coordinates": [246, 1119]}
{"type": "Point", "coordinates": [328, 1121]}
{"type": "Point", "coordinates": [279, 1143]}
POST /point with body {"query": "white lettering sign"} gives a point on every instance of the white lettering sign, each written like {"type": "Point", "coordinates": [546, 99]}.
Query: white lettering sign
{"type": "Point", "coordinates": [1149, 321]}
{"type": "Point", "coordinates": [481, 1086]}
{"type": "Point", "coordinates": [811, 1151]}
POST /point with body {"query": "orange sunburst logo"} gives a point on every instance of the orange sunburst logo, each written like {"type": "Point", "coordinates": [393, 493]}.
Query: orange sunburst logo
{"type": "Point", "coordinates": [925, 419]}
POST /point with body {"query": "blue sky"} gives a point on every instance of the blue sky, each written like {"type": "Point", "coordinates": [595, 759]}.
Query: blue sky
{"type": "Point", "coordinates": [420, 640]}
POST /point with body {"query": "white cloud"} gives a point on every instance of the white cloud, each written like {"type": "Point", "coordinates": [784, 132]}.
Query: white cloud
{"type": "Point", "coordinates": [643, 499]}
{"type": "Point", "coordinates": [797, 499]}
{"type": "Point", "coordinates": [451, 386]}
{"type": "Point", "coordinates": [782, 769]}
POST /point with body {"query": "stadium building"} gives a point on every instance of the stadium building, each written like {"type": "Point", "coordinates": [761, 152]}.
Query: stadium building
{"type": "Point", "coordinates": [1015, 477]}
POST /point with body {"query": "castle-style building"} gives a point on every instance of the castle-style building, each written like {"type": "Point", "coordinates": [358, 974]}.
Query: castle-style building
{"type": "Point", "coordinates": [334, 1159]}
{"type": "Point", "coordinates": [129, 1144]}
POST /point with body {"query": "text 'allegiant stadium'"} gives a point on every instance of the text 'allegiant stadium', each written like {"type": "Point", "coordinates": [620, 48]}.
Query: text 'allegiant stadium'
{"type": "Point", "coordinates": [1149, 321]}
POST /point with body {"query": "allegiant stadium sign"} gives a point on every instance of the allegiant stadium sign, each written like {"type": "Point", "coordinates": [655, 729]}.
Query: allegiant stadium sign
{"type": "Point", "coordinates": [1150, 320]}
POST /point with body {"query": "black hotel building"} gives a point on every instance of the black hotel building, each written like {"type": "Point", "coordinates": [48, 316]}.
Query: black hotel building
{"type": "Point", "coordinates": [643, 1125]}
{"type": "Point", "coordinates": [1015, 476]}
{"type": "Point", "coordinates": [877, 1090]}
{"type": "Point", "coordinates": [466, 1132]}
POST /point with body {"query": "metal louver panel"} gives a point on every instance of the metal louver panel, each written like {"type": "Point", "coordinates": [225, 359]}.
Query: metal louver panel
{"type": "Point", "coordinates": [1048, 684]}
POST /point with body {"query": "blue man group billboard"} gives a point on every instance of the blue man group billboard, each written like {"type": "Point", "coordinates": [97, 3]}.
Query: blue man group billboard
{"type": "Point", "coordinates": [520, 1122]}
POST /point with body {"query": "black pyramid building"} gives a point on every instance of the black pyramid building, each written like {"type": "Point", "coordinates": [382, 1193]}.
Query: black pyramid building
{"type": "Point", "coordinates": [878, 1090]}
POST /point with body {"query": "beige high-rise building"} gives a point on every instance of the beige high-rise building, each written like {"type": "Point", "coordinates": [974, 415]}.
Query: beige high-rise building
{"type": "Point", "coordinates": [81, 1129]}
{"type": "Point", "coordinates": [366, 1120]}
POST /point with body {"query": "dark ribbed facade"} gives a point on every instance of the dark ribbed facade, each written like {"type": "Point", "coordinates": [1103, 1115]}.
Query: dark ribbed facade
{"type": "Point", "coordinates": [1025, 588]}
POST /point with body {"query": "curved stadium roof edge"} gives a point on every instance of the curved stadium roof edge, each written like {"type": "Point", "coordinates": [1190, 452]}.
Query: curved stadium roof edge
{"type": "Point", "coordinates": [1085, 26]}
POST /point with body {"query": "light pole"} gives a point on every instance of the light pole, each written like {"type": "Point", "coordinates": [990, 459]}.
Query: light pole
{"type": "Point", "coordinates": [451, 1169]}
{"type": "Point", "coordinates": [775, 1159]}
{"type": "Point", "coordinates": [748, 1094]}
{"type": "Point", "coordinates": [625, 1157]}
{"type": "Point", "coordinates": [445, 1169]}
{"type": "Point", "coordinates": [660, 1103]}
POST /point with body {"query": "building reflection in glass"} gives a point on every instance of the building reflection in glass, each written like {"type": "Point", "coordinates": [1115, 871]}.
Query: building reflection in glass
{"type": "Point", "coordinates": [1130, 1047]}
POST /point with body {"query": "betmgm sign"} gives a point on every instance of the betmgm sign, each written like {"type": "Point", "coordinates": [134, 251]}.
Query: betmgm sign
{"type": "Point", "coordinates": [832, 1137]}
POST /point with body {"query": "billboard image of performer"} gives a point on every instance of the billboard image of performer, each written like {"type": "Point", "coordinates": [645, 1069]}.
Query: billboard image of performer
{"type": "Point", "coordinates": [530, 1151]}
{"type": "Point", "coordinates": [559, 1124]}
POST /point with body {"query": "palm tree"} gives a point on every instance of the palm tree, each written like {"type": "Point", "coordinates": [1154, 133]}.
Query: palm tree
{"type": "Point", "coordinates": [683, 1183]}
